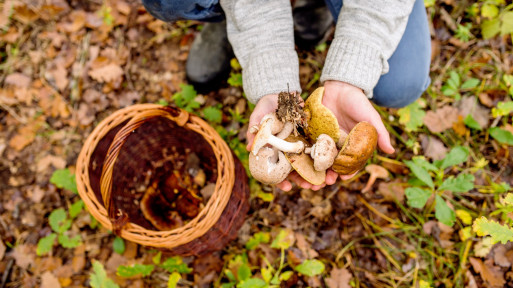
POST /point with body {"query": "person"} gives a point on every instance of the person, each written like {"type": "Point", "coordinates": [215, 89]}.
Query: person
{"type": "Point", "coordinates": [380, 53]}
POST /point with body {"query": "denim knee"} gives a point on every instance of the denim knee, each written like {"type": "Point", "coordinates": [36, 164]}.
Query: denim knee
{"type": "Point", "coordinates": [173, 10]}
{"type": "Point", "coordinates": [398, 91]}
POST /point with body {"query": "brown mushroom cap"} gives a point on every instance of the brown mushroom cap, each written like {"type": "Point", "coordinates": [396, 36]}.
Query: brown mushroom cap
{"type": "Point", "coordinates": [357, 149]}
{"type": "Point", "coordinates": [320, 119]}
{"type": "Point", "coordinates": [157, 210]}
{"type": "Point", "coordinates": [263, 168]}
{"type": "Point", "coordinates": [304, 165]}
{"type": "Point", "coordinates": [375, 172]}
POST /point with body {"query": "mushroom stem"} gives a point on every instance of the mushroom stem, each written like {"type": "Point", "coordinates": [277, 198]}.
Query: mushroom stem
{"type": "Point", "coordinates": [369, 184]}
{"type": "Point", "coordinates": [285, 132]}
{"type": "Point", "coordinates": [308, 150]}
{"type": "Point", "coordinates": [343, 136]}
{"type": "Point", "coordinates": [285, 146]}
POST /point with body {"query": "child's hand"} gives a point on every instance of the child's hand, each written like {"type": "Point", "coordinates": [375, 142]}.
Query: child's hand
{"type": "Point", "coordinates": [350, 106]}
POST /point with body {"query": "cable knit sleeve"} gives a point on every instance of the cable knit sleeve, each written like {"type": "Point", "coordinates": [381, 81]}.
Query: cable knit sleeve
{"type": "Point", "coordinates": [366, 36]}
{"type": "Point", "coordinates": [262, 35]}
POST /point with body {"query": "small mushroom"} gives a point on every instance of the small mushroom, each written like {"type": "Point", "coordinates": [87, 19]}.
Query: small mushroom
{"type": "Point", "coordinates": [269, 166]}
{"type": "Point", "coordinates": [375, 172]}
{"type": "Point", "coordinates": [358, 147]}
{"type": "Point", "coordinates": [265, 136]}
{"type": "Point", "coordinates": [320, 119]}
{"type": "Point", "coordinates": [323, 152]}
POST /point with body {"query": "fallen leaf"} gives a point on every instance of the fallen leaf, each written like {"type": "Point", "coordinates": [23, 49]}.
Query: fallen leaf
{"type": "Point", "coordinates": [50, 160]}
{"type": "Point", "coordinates": [2, 250]}
{"type": "Point", "coordinates": [491, 274]}
{"type": "Point", "coordinates": [483, 247]}
{"type": "Point", "coordinates": [339, 278]}
{"type": "Point", "coordinates": [18, 80]}
{"type": "Point", "coordinates": [392, 191]}
{"type": "Point", "coordinates": [486, 100]}
{"type": "Point", "coordinates": [48, 280]}
{"type": "Point", "coordinates": [86, 114]}
{"type": "Point", "coordinates": [108, 73]}
{"type": "Point", "coordinates": [25, 135]}
{"type": "Point", "coordinates": [79, 261]}
{"type": "Point", "coordinates": [469, 105]}
{"type": "Point", "coordinates": [433, 148]}
{"type": "Point", "coordinates": [6, 13]}
{"type": "Point", "coordinates": [499, 256]}
{"type": "Point", "coordinates": [305, 247]}
{"type": "Point", "coordinates": [60, 76]}
{"type": "Point", "coordinates": [441, 119]}
{"type": "Point", "coordinates": [471, 283]}
{"type": "Point", "coordinates": [24, 255]}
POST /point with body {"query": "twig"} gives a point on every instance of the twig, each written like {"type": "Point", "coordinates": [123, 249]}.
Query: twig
{"type": "Point", "coordinates": [13, 113]}
{"type": "Point", "coordinates": [6, 273]}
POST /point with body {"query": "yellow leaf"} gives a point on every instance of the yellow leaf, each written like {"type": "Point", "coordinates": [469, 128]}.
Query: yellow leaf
{"type": "Point", "coordinates": [464, 216]}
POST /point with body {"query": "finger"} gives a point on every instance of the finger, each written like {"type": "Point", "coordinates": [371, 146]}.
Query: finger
{"type": "Point", "coordinates": [249, 138]}
{"type": "Point", "coordinates": [347, 177]}
{"type": "Point", "coordinates": [317, 187]}
{"type": "Point", "coordinates": [383, 135]}
{"type": "Point", "coordinates": [294, 177]}
{"type": "Point", "coordinates": [284, 185]}
{"type": "Point", "coordinates": [331, 177]}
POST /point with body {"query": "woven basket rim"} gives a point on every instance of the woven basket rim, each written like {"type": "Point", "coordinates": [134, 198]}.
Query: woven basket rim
{"type": "Point", "coordinates": [198, 226]}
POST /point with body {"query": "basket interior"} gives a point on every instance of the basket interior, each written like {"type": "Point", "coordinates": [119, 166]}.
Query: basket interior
{"type": "Point", "coordinates": [141, 161]}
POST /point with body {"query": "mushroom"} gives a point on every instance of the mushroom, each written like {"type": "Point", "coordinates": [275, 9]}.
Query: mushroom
{"type": "Point", "coordinates": [269, 166]}
{"type": "Point", "coordinates": [157, 210]}
{"type": "Point", "coordinates": [265, 136]}
{"type": "Point", "coordinates": [323, 152]}
{"type": "Point", "coordinates": [277, 124]}
{"type": "Point", "coordinates": [304, 165]}
{"type": "Point", "coordinates": [320, 119]}
{"type": "Point", "coordinates": [358, 147]}
{"type": "Point", "coordinates": [375, 172]}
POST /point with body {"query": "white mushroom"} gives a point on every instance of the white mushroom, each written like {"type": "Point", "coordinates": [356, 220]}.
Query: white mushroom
{"type": "Point", "coordinates": [323, 152]}
{"type": "Point", "coordinates": [265, 136]}
{"type": "Point", "coordinates": [269, 166]}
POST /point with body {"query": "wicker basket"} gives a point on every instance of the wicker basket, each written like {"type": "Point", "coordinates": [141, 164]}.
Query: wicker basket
{"type": "Point", "coordinates": [120, 153]}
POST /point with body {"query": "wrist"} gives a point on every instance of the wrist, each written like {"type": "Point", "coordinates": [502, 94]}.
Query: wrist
{"type": "Point", "coordinates": [339, 85]}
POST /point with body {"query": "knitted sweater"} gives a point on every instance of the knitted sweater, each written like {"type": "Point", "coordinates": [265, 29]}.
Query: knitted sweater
{"type": "Point", "coordinates": [261, 33]}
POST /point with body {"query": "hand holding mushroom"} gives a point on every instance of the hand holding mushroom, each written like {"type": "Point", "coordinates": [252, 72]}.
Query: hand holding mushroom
{"type": "Point", "coordinates": [310, 154]}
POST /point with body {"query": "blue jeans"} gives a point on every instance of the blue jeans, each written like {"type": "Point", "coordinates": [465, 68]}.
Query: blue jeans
{"type": "Point", "coordinates": [407, 78]}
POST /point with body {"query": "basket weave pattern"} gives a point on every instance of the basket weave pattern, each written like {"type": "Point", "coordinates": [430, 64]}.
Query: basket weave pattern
{"type": "Point", "coordinates": [120, 152]}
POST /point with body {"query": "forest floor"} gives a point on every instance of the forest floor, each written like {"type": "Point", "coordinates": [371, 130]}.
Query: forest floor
{"type": "Point", "coordinates": [441, 218]}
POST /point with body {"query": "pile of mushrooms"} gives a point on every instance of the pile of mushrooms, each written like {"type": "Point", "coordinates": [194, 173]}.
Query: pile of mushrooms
{"type": "Point", "coordinates": [277, 151]}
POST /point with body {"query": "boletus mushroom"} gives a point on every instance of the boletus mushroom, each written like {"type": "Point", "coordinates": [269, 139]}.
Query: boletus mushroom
{"type": "Point", "coordinates": [320, 119]}
{"type": "Point", "coordinates": [304, 165]}
{"type": "Point", "coordinates": [157, 210]}
{"type": "Point", "coordinates": [358, 147]}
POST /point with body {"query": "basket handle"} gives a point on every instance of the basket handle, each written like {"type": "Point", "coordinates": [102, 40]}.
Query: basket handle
{"type": "Point", "coordinates": [119, 218]}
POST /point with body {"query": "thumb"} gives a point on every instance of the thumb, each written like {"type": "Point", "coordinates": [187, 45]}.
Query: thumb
{"type": "Point", "coordinates": [383, 136]}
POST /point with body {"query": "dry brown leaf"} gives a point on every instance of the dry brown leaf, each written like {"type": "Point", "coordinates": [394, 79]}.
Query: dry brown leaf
{"type": "Point", "coordinates": [24, 14]}
{"type": "Point", "coordinates": [18, 80]}
{"type": "Point", "coordinates": [499, 256]}
{"type": "Point", "coordinates": [78, 18]}
{"type": "Point", "coordinates": [2, 250]}
{"type": "Point", "coordinates": [24, 255]}
{"type": "Point", "coordinates": [60, 76]}
{"type": "Point", "coordinates": [305, 247]}
{"type": "Point", "coordinates": [50, 160]}
{"type": "Point", "coordinates": [11, 36]}
{"type": "Point", "coordinates": [339, 278]}
{"type": "Point", "coordinates": [441, 119]}
{"type": "Point", "coordinates": [79, 261]}
{"type": "Point", "coordinates": [433, 148]}
{"type": "Point", "coordinates": [53, 104]}
{"type": "Point", "coordinates": [485, 99]}
{"type": "Point", "coordinates": [491, 274]}
{"type": "Point", "coordinates": [6, 13]}
{"type": "Point", "coordinates": [471, 282]}
{"type": "Point", "coordinates": [48, 280]}
{"type": "Point", "coordinates": [469, 105]}
{"type": "Point", "coordinates": [25, 135]}
{"type": "Point", "coordinates": [392, 191]}
{"type": "Point", "coordinates": [108, 73]}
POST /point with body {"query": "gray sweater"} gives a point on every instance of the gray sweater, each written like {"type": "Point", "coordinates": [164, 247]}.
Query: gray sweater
{"type": "Point", "coordinates": [262, 36]}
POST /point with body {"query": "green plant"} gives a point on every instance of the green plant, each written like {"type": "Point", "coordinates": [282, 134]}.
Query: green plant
{"type": "Point", "coordinates": [423, 186]}
{"type": "Point", "coordinates": [173, 265]}
{"type": "Point", "coordinates": [239, 274]}
{"type": "Point", "coordinates": [453, 86]}
{"type": "Point", "coordinates": [411, 116]}
{"type": "Point", "coordinates": [99, 279]}
{"type": "Point", "coordinates": [498, 232]}
{"type": "Point", "coordinates": [497, 19]}
{"type": "Point", "coordinates": [185, 99]}
{"type": "Point", "coordinates": [463, 32]}
{"type": "Point", "coordinates": [60, 221]}
{"type": "Point", "coordinates": [213, 114]}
